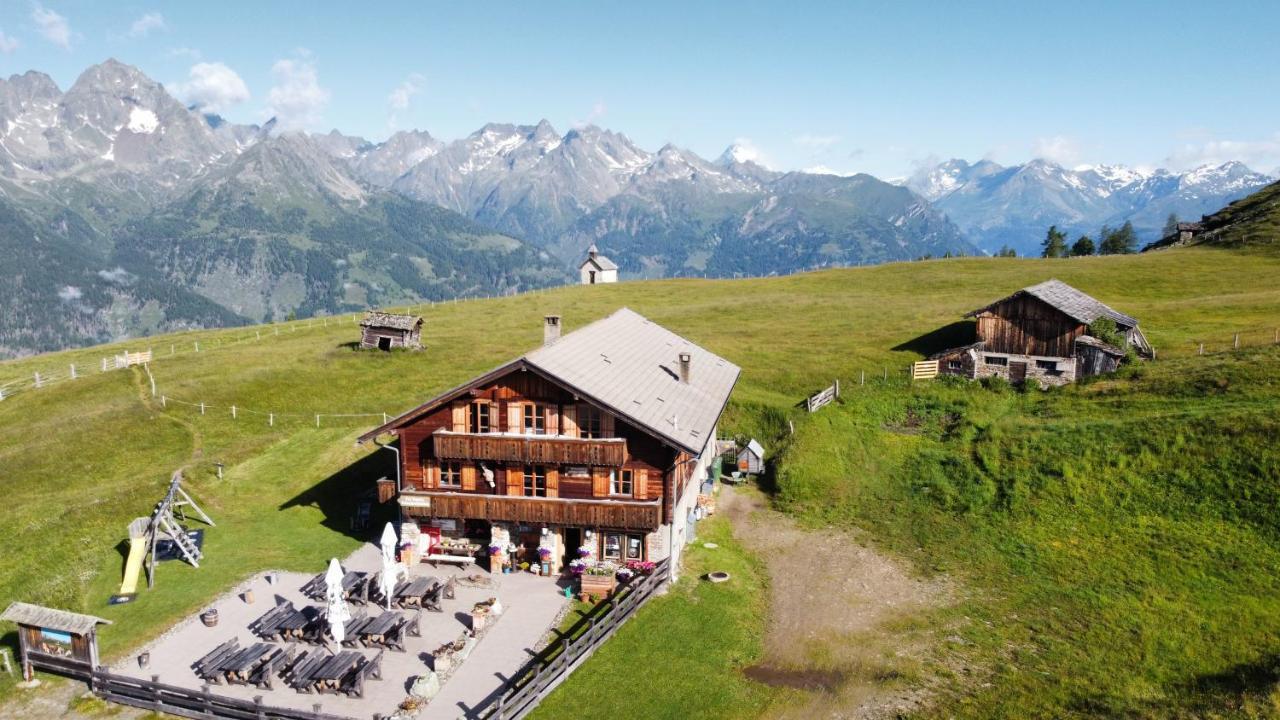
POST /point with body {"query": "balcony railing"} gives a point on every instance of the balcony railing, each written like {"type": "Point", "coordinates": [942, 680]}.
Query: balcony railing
{"type": "Point", "coordinates": [620, 514]}
{"type": "Point", "coordinates": [529, 449]}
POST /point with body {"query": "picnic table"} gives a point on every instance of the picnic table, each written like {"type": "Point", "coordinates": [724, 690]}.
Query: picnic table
{"type": "Point", "coordinates": [284, 622]}
{"type": "Point", "coordinates": [387, 630]}
{"type": "Point", "coordinates": [355, 587]}
{"type": "Point", "coordinates": [345, 672]}
{"type": "Point", "coordinates": [423, 592]}
{"type": "Point", "coordinates": [252, 665]}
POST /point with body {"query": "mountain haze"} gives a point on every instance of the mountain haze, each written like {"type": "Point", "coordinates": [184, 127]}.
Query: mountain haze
{"type": "Point", "coordinates": [997, 206]}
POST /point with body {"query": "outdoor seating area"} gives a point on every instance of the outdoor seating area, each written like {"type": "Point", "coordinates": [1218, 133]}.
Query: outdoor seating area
{"type": "Point", "coordinates": [272, 638]}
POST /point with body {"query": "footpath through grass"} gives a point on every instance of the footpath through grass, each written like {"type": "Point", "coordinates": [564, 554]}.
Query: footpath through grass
{"type": "Point", "coordinates": [1121, 538]}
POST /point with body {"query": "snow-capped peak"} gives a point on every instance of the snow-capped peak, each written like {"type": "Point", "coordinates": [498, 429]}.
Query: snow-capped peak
{"type": "Point", "coordinates": [739, 153]}
{"type": "Point", "coordinates": [142, 121]}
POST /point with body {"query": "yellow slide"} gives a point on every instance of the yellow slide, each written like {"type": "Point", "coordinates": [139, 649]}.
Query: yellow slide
{"type": "Point", "coordinates": [137, 549]}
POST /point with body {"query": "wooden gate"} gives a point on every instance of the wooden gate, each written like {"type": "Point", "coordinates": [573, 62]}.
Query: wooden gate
{"type": "Point", "coordinates": [924, 370]}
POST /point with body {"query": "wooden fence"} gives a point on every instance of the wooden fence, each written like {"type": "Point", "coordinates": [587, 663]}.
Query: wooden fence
{"type": "Point", "coordinates": [822, 397]}
{"type": "Point", "coordinates": [551, 666]}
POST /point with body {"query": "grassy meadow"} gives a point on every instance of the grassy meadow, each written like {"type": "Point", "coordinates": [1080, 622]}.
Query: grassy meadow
{"type": "Point", "coordinates": [1120, 536]}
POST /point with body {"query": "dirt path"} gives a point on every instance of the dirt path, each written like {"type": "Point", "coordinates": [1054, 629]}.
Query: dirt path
{"type": "Point", "coordinates": [847, 624]}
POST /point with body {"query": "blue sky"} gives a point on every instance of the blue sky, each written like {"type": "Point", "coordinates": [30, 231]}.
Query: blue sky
{"type": "Point", "coordinates": [874, 87]}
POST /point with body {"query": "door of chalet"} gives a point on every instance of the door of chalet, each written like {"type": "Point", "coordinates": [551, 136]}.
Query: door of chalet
{"type": "Point", "coordinates": [1017, 373]}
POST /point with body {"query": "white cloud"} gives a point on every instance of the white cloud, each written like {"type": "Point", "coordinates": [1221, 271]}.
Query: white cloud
{"type": "Point", "coordinates": [297, 98]}
{"type": "Point", "coordinates": [187, 52]}
{"type": "Point", "coordinates": [598, 111]}
{"type": "Point", "coordinates": [817, 143]}
{"type": "Point", "coordinates": [745, 150]}
{"type": "Point", "coordinates": [1057, 149]}
{"type": "Point", "coordinates": [52, 26]}
{"type": "Point", "coordinates": [117, 275]}
{"type": "Point", "coordinates": [400, 98]}
{"type": "Point", "coordinates": [212, 86]}
{"type": "Point", "coordinates": [1257, 154]}
{"type": "Point", "coordinates": [69, 293]}
{"type": "Point", "coordinates": [148, 22]}
{"type": "Point", "coordinates": [824, 170]}
{"type": "Point", "coordinates": [8, 44]}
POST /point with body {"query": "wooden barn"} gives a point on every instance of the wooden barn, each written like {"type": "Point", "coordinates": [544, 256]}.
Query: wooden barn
{"type": "Point", "coordinates": [594, 445]}
{"type": "Point", "coordinates": [57, 638]}
{"type": "Point", "coordinates": [386, 331]}
{"type": "Point", "coordinates": [1041, 333]}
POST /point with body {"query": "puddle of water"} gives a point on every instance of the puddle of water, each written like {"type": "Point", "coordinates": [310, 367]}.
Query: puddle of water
{"type": "Point", "coordinates": [811, 680]}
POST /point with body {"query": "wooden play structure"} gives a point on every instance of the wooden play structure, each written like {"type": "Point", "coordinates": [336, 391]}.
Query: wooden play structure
{"type": "Point", "coordinates": [165, 523]}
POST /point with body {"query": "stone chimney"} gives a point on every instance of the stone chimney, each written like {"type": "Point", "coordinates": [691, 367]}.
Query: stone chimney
{"type": "Point", "coordinates": [550, 329]}
{"type": "Point", "coordinates": [686, 360]}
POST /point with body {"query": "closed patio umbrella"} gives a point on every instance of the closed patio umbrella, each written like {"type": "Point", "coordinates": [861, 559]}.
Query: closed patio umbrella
{"type": "Point", "coordinates": [337, 612]}
{"type": "Point", "coordinates": [391, 570]}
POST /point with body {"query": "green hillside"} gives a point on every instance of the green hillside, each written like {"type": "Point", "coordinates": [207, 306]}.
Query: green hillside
{"type": "Point", "coordinates": [1252, 222]}
{"type": "Point", "coordinates": [1118, 539]}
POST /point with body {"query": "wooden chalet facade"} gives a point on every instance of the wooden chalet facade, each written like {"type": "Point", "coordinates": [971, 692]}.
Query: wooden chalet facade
{"type": "Point", "coordinates": [598, 440]}
{"type": "Point", "coordinates": [1041, 334]}
{"type": "Point", "coordinates": [385, 331]}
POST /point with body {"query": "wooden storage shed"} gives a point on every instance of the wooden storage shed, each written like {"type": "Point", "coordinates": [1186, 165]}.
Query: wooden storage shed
{"type": "Point", "coordinates": [54, 638]}
{"type": "Point", "coordinates": [751, 458]}
{"type": "Point", "coordinates": [385, 331]}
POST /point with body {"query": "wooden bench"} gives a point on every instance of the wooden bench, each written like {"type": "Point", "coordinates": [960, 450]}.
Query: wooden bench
{"type": "Point", "coordinates": [460, 560]}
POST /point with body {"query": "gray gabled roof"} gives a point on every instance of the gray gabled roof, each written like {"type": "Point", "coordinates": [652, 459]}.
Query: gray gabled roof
{"type": "Point", "coordinates": [631, 365]}
{"type": "Point", "coordinates": [389, 320]}
{"type": "Point", "coordinates": [601, 262]}
{"type": "Point", "coordinates": [61, 620]}
{"type": "Point", "coordinates": [755, 448]}
{"type": "Point", "coordinates": [1068, 300]}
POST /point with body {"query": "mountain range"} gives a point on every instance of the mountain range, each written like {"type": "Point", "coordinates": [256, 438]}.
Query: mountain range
{"type": "Point", "coordinates": [125, 212]}
{"type": "Point", "coordinates": [1013, 206]}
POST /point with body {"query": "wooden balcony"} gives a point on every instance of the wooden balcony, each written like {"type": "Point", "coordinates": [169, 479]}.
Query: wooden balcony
{"type": "Point", "coordinates": [620, 514]}
{"type": "Point", "coordinates": [529, 449]}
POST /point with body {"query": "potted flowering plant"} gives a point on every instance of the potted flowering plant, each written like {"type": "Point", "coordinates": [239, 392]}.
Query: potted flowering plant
{"type": "Point", "coordinates": [641, 567]}
{"type": "Point", "coordinates": [495, 550]}
{"type": "Point", "coordinates": [584, 552]}
{"type": "Point", "coordinates": [624, 574]}
{"type": "Point", "coordinates": [577, 567]}
{"type": "Point", "coordinates": [599, 579]}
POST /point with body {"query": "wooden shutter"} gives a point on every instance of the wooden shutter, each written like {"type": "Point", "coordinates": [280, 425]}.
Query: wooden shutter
{"type": "Point", "coordinates": [428, 474]}
{"type": "Point", "coordinates": [468, 477]}
{"type": "Point", "coordinates": [606, 424]}
{"type": "Point", "coordinates": [552, 419]}
{"type": "Point", "coordinates": [553, 482]}
{"type": "Point", "coordinates": [459, 419]}
{"type": "Point", "coordinates": [640, 483]}
{"type": "Point", "coordinates": [515, 418]}
{"type": "Point", "coordinates": [515, 480]}
{"type": "Point", "coordinates": [600, 482]}
{"type": "Point", "coordinates": [569, 421]}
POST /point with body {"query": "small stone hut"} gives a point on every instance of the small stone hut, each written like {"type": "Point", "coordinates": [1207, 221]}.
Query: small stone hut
{"type": "Point", "coordinates": [385, 331]}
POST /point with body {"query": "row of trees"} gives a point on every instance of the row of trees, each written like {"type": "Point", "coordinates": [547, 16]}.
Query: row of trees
{"type": "Point", "coordinates": [1113, 241]}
